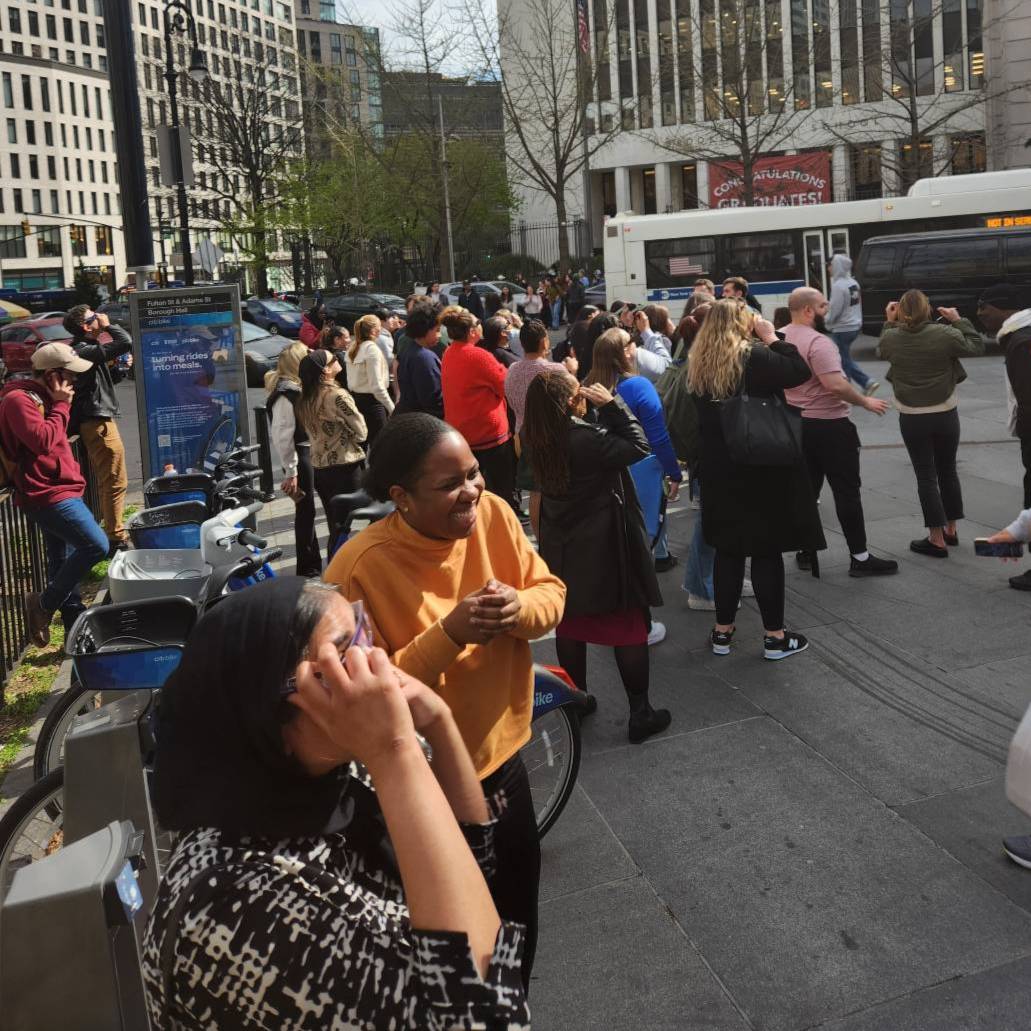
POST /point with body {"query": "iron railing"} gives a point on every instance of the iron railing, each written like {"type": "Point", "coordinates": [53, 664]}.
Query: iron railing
{"type": "Point", "coordinates": [23, 566]}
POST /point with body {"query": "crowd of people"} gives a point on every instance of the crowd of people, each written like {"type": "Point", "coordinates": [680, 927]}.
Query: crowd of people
{"type": "Point", "coordinates": [530, 482]}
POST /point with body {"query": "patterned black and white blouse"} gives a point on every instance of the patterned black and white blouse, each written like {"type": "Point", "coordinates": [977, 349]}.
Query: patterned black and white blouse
{"type": "Point", "coordinates": [311, 934]}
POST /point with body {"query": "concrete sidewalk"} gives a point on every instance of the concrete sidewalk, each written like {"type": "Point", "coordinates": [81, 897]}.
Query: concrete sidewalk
{"type": "Point", "coordinates": [815, 843]}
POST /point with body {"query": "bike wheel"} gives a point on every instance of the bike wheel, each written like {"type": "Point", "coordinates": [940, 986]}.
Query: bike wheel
{"type": "Point", "coordinates": [552, 758]}
{"type": "Point", "coordinates": [219, 442]}
{"type": "Point", "coordinates": [77, 700]}
{"type": "Point", "coordinates": [33, 827]}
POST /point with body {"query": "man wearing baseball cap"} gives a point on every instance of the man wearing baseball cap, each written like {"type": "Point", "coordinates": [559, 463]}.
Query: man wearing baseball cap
{"type": "Point", "coordinates": [1005, 311]}
{"type": "Point", "coordinates": [48, 485]}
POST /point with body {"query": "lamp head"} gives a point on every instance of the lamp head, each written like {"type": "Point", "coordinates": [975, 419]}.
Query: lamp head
{"type": "Point", "coordinates": [198, 70]}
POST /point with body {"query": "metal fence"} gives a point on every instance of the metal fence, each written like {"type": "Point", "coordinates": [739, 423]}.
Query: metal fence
{"type": "Point", "coordinates": [23, 567]}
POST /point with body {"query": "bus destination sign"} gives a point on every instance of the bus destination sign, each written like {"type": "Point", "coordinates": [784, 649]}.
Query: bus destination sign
{"type": "Point", "coordinates": [1007, 221]}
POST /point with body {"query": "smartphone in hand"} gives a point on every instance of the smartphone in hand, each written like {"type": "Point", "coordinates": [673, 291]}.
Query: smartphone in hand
{"type": "Point", "coordinates": [998, 549]}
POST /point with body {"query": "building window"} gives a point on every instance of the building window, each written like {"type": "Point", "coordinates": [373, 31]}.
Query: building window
{"type": "Point", "coordinates": [37, 202]}
{"type": "Point", "coordinates": [667, 94]}
{"type": "Point", "coordinates": [968, 154]}
{"type": "Point", "coordinates": [48, 242]}
{"type": "Point", "coordinates": [648, 184]}
{"type": "Point", "coordinates": [51, 166]}
{"type": "Point", "coordinates": [14, 19]}
{"type": "Point", "coordinates": [103, 239]}
{"type": "Point", "coordinates": [15, 166]}
{"type": "Point", "coordinates": [48, 133]}
{"type": "Point", "coordinates": [801, 54]}
{"type": "Point", "coordinates": [8, 90]}
{"type": "Point", "coordinates": [899, 29]}
{"type": "Point", "coordinates": [77, 234]}
{"type": "Point", "coordinates": [336, 49]}
{"type": "Point", "coordinates": [774, 57]}
{"type": "Point", "coordinates": [12, 131]}
{"type": "Point", "coordinates": [44, 94]}
{"type": "Point", "coordinates": [601, 50]}
{"type": "Point", "coordinates": [849, 40]}
{"type": "Point", "coordinates": [975, 48]}
{"type": "Point", "coordinates": [55, 204]}
{"type": "Point", "coordinates": [12, 242]}
{"type": "Point", "coordinates": [33, 167]}
{"type": "Point", "coordinates": [30, 133]}
{"type": "Point", "coordinates": [26, 92]}
{"type": "Point", "coordinates": [923, 46]}
{"type": "Point", "coordinates": [689, 185]}
{"type": "Point", "coordinates": [710, 77]}
{"type": "Point", "coordinates": [644, 66]}
{"type": "Point", "coordinates": [952, 45]}
{"type": "Point", "coordinates": [625, 63]}
{"type": "Point", "coordinates": [915, 163]}
{"type": "Point", "coordinates": [19, 204]}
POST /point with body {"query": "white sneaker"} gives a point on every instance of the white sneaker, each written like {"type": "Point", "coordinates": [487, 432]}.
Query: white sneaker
{"type": "Point", "coordinates": [657, 634]}
{"type": "Point", "coordinates": [700, 604]}
{"type": "Point", "coordinates": [747, 590]}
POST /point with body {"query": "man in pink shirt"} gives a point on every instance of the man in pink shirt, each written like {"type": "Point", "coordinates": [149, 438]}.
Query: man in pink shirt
{"type": "Point", "coordinates": [829, 438]}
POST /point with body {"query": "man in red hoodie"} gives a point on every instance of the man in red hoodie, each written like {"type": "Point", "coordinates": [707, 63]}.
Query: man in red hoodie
{"type": "Point", "coordinates": [48, 484]}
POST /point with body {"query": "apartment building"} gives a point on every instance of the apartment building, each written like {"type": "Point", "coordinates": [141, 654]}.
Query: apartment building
{"type": "Point", "coordinates": [57, 166]}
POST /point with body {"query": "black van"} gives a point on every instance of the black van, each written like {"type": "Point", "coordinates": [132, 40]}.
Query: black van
{"type": "Point", "coordinates": [951, 266]}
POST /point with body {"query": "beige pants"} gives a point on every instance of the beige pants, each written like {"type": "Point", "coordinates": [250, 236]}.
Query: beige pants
{"type": "Point", "coordinates": [107, 456]}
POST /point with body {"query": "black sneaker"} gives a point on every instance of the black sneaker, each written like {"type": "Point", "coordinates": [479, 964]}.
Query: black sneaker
{"type": "Point", "coordinates": [1022, 582]}
{"type": "Point", "coordinates": [803, 560]}
{"type": "Point", "coordinates": [791, 643]}
{"type": "Point", "coordinates": [643, 725]}
{"type": "Point", "coordinates": [873, 566]}
{"type": "Point", "coordinates": [721, 641]}
{"type": "Point", "coordinates": [663, 565]}
{"type": "Point", "coordinates": [925, 547]}
{"type": "Point", "coordinates": [1019, 850]}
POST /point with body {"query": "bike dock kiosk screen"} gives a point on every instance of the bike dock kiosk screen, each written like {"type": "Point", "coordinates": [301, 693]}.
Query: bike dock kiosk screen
{"type": "Point", "coordinates": [191, 384]}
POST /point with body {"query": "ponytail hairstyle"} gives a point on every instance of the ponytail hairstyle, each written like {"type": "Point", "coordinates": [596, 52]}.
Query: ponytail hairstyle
{"type": "Point", "coordinates": [365, 328]}
{"type": "Point", "coordinates": [914, 310]}
{"type": "Point", "coordinates": [546, 423]}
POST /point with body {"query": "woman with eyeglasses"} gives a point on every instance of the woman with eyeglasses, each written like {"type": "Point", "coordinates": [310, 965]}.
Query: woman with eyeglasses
{"type": "Point", "coordinates": [458, 593]}
{"type": "Point", "coordinates": [592, 533]}
{"type": "Point", "coordinates": [335, 427]}
{"type": "Point", "coordinates": [326, 875]}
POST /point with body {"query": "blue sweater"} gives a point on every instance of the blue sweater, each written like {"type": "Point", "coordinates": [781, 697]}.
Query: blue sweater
{"type": "Point", "coordinates": [418, 380]}
{"type": "Point", "coordinates": [643, 400]}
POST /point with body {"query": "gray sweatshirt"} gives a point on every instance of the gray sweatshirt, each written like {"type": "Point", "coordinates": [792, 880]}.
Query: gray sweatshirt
{"type": "Point", "coordinates": [1021, 526]}
{"type": "Point", "coordinates": [846, 310]}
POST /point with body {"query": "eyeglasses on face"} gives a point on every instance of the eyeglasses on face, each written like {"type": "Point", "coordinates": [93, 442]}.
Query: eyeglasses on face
{"type": "Point", "coordinates": [361, 638]}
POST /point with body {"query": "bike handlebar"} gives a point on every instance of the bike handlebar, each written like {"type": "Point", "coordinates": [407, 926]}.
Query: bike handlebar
{"type": "Point", "coordinates": [251, 539]}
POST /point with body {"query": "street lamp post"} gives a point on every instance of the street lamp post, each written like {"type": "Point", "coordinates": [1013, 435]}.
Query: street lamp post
{"type": "Point", "coordinates": [179, 20]}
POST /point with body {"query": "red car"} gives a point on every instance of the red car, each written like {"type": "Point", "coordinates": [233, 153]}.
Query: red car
{"type": "Point", "coordinates": [19, 339]}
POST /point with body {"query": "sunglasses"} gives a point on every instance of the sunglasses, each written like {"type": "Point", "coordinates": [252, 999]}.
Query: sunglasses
{"type": "Point", "coordinates": [90, 320]}
{"type": "Point", "coordinates": [361, 638]}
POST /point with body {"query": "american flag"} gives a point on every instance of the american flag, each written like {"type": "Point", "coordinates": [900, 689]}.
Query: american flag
{"type": "Point", "coordinates": [684, 267]}
{"type": "Point", "coordinates": [583, 26]}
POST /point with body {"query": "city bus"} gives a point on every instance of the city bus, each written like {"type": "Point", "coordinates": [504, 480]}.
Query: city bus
{"type": "Point", "coordinates": [657, 258]}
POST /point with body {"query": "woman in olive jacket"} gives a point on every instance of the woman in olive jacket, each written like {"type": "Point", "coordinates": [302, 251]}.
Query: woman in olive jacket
{"type": "Point", "coordinates": [591, 531]}
{"type": "Point", "coordinates": [924, 372]}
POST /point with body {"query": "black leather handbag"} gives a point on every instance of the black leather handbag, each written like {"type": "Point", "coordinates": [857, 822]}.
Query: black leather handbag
{"type": "Point", "coordinates": [761, 430]}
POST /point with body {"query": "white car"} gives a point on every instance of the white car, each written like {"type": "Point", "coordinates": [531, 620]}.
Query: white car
{"type": "Point", "coordinates": [485, 289]}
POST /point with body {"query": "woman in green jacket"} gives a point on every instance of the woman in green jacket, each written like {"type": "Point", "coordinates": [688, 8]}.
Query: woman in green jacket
{"type": "Point", "coordinates": [924, 371]}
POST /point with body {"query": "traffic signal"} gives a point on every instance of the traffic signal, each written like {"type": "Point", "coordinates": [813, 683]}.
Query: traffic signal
{"type": "Point", "coordinates": [25, 227]}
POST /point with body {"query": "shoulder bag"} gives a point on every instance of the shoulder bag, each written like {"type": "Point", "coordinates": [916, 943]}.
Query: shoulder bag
{"type": "Point", "coordinates": [760, 430]}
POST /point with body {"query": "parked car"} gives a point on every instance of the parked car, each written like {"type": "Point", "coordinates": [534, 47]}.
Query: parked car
{"type": "Point", "coordinates": [951, 266]}
{"type": "Point", "coordinates": [47, 315]}
{"type": "Point", "coordinates": [485, 290]}
{"type": "Point", "coordinates": [518, 293]}
{"type": "Point", "coordinates": [346, 308]}
{"type": "Point", "coordinates": [273, 316]}
{"type": "Point", "coordinates": [261, 351]}
{"type": "Point", "coordinates": [595, 294]}
{"type": "Point", "coordinates": [20, 339]}
{"type": "Point", "coordinates": [117, 312]}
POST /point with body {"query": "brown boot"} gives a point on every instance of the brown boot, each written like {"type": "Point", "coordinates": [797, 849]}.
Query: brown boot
{"type": "Point", "coordinates": [38, 620]}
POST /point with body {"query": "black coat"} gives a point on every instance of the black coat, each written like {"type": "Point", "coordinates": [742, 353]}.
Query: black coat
{"type": "Point", "coordinates": [593, 536]}
{"type": "Point", "coordinates": [95, 396]}
{"type": "Point", "coordinates": [755, 509]}
{"type": "Point", "coordinates": [471, 302]}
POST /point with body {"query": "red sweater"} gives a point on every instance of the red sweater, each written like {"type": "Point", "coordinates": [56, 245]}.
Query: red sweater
{"type": "Point", "coordinates": [47, 471]}
{"type": "Point", "coordinates": [473, 385]}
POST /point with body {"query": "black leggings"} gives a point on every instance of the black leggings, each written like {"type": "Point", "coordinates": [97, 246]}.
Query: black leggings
{"type": "Point", "coordinates": [932, 441]}
{"type": "Point", "coordinates": [306, 541]}
{"type": "Point", "coordinates": [517, 876]}
{"type": "Point", "coordinates": [333, 480]}
{"type": "Point", "coordinates": [631, 661]}
{"type": "Point", "coordinates": [498, 465]}
{"type": "Point", "coordinates": [728, 576]}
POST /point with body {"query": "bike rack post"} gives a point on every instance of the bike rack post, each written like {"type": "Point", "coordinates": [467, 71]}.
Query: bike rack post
{"type": "Point", "coordinates": [104, 780]}
{"type": "Point", "coordinates": [261, 426]}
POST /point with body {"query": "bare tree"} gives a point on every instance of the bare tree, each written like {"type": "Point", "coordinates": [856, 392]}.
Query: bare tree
{"type": "Point", "coordinates": [547, 90]}
{"type": "Point", "coordinates": [733, 65]}
{"type": "Point", "coordinates": [250, 117]}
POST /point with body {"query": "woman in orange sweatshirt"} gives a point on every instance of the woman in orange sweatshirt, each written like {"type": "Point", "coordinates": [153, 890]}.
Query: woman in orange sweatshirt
{"type": "Point", "coordinates": [456, 594]}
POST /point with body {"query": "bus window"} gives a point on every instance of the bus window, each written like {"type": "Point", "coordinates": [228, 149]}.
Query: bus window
{"type": "Point", "coordinates": [1018, 254]}
{"type": "Point", "coordinates": [760, 257]}
{"type": "Point", "coordinates": [935, 261]}
{"type": "Point", "coordinates": [678, 262]}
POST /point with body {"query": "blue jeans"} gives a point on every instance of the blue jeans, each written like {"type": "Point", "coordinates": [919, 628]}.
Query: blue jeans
{"type": "Point", "coordinates": [556, 313]}
{"type": "Point", "coordinates": [844, 340]}
{"type": "Point", "coordinates": [700, 559]}
{"type": "Point", "coordinates": [75, 544]}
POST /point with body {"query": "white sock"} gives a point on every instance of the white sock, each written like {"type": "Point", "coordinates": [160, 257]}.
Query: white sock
{"type": "Point", "coordinates": [862, 556]}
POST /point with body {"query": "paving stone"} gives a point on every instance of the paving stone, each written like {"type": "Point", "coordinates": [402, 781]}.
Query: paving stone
{"type": "Point", "coordinates": [613, 957]}
{"type": "Point", "coordinates": [808, 898]}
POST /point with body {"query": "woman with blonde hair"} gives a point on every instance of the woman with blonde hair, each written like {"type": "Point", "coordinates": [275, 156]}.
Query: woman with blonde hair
{"type": "Point", "coordinates": [615, 368]}
{"type": "Point", "coordinates": [334, 425]}
{"type": "Point", "coordinates": [924, 370]}
{"type": "Point", "coordinates": [751, 511]}
{"type": "Point", "coordinates": [283, 385]}
{"type": "Point", "coordinates": [368, 377]}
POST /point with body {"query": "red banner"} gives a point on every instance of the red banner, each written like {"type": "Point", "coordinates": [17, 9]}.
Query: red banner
{"type": "Point", "coordinates": [776, 182]}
